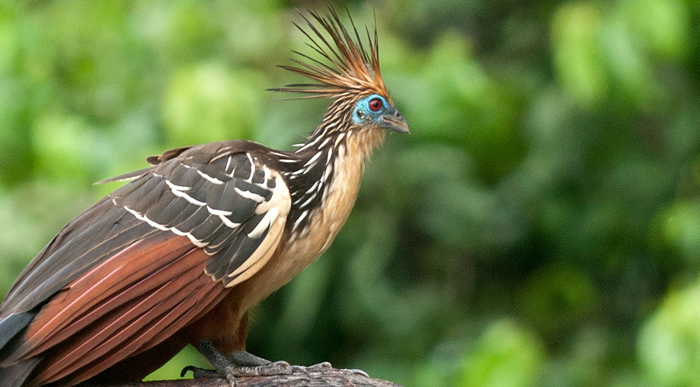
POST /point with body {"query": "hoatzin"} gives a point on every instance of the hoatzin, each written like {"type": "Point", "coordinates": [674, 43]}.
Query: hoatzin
{"type": "Point", "coordinates": [181, 253]}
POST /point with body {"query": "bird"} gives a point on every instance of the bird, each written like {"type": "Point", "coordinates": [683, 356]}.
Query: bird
{"type": "Point", "coordinates": [183, 250]}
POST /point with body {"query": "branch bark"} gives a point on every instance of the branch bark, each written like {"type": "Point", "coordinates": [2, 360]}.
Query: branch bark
{"type": "Point", "coordinates": [327, 378]}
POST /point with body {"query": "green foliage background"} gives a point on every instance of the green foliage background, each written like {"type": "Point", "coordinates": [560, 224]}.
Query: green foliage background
{"type": "Point", "coordinates": [540, 227]}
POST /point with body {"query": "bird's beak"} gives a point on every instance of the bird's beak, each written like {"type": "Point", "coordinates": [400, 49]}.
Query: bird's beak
{"type": "Point", "coordinates": [393, 120]}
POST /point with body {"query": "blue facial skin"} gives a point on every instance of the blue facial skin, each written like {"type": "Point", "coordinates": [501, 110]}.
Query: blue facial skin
{"type": "Point", "coordinates": [363, 115]}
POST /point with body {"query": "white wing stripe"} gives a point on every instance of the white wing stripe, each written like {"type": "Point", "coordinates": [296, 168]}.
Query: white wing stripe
{"type": "Point", "coordinates": [216, 212]}
{"type": "Point", "coordinates": [151, 223]}
{"type": "Point", "coordinates": [228, 223]}
{"type": "Point", "coordinates": [188, 198]}
{"type": "Point", "coordinates": [252, 168]}
{"type": "Point", "coordinates": [228, 163]}
{"type": "Point", "coordinates": [210, 178]}
{"type": "Point", "coordinates": [175, 187]}
{"type": "Point", "coordinates": [264, 224]}
{"type": "Point", "coordinates": [145, 219]}
{"type": "Point", "coordinates": [249, 195]}
{"type": "Point", "coordinates": [191, 237]}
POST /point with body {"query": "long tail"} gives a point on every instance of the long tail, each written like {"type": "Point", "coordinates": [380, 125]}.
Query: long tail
{"type": "Point", "coordinates": [14, 375]}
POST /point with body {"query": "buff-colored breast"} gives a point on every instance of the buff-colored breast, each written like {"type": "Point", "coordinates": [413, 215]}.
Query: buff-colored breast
{"type": "Point", "coordinates": [324, 222]}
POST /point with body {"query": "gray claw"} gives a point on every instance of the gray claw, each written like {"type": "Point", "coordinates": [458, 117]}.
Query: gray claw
{"type": "Point", "coordinates": [320, 367]}
{"type": "Point", "coordinates": [357, 372]}
{"type": "Point", "coordinates": [202, 373]}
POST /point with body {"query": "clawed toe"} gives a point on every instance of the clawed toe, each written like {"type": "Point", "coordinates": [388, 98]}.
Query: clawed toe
{"type": "Point", "coordinates": [357, 372]}
{"type": "Point", "coordinates": [202, 373]}
{"type": "Point", "coordinates": [320, 367]}
{"type": "Point", "coordinates": [276, 368]}
{"type": "Point", "coordinates": [199, 373]}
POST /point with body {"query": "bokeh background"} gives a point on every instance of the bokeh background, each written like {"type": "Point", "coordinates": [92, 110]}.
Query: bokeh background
{"type": "Point", "coordinates": [539, 227]}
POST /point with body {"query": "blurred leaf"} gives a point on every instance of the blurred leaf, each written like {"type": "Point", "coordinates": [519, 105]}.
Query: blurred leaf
{"type": "Point", "coordinates": [627, 64]}
{"type": "Point", "coordinates": [662, 26]}
{"type": "Point", "coordinates": [506, 356]}
{"type": "Point", "coordinates": [682, 229]}
{"type": "Point", "coordinates": [669, 341]}
{"type": "Point", "coordinates": [66, 148]}
{"type": "Point", "coordinates": [577, 52]}
{"type": "Point", "coordinates": [210, 103]}
{"type": "Point", "coordinates": [172, 369]}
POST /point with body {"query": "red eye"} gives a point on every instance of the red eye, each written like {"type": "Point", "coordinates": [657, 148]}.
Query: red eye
{"type": "Point", "coordinates": [375, 104]}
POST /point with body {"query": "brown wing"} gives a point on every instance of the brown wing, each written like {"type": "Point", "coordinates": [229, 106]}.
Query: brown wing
{"type": "Point", "coordinates": [213, 209]}
{"type": "Point", "coordinates": [120, 308]}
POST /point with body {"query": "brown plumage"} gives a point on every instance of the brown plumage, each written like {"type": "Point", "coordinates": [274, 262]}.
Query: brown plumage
{"type": "Point", "coordinates": [183, 251]}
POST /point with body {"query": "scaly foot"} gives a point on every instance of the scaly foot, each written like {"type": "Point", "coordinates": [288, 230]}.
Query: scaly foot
{"type": "Point", "coordinates": [242, 364]}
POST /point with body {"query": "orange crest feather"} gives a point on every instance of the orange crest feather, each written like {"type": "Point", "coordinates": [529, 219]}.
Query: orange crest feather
{"type": "Point", "coordinates": [352, 69]}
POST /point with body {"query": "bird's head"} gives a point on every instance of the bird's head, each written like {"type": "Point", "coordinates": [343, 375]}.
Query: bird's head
{"type": "Point", "coordinates": [351, 76]}
{"type": "Point", "coordinates": [377, 110]}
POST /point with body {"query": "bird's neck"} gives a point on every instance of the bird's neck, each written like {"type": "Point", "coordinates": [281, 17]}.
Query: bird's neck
{"type": "Point", "coordinates": [329, 163]}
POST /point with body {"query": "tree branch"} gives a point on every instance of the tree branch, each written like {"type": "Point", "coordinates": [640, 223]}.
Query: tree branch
{"type": "Point", "coordinates": [330, 378]}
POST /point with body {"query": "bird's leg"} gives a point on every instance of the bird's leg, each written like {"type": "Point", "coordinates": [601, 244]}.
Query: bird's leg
{"type": "Point", "coordinates": [242, 363]}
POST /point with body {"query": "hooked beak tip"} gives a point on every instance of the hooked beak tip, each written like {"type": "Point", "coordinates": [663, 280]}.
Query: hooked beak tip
{"type": "Point", "coordinates": [402, 128]}
{"type": "Point", "coordinates": [395, 122]}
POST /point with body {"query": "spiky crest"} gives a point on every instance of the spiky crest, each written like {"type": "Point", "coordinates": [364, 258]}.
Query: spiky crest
{"type": "Point", "coordinates": [352, 70]}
